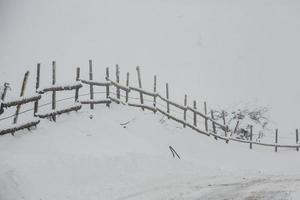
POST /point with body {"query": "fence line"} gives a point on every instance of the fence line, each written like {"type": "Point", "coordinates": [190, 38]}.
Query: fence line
{"type": "Point", "coordinates": [217, 130]}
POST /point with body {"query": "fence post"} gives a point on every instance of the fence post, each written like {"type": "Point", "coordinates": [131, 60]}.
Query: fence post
{"type": "Point", "coordinates": [21, 95]}
{"type": "Point", "coordinates": [54, 92]}
{"type": "Point", "coordinates": [140, 84]}
{"type": "Point", "coordinates": [77, 79]}
{"type": "Point", "coordinates": [91, 86]}
{"type": "Point", "coordinates": [224, 122]}
{"type": "Point", "coordinates": [154, 89]}
{"type": "Point", "coordinates": [107, 86]}
{"type": "Point", "coordinates": [37, 85]}
{"type": "Point", "coordinates": [118, 80]}
{"type": "Point", "coordinates": [251, 136]}
{"type": "Point", "coordinates": [6, 86]}
{"type": "Point", "coordinates": [195, 114]}
{"type": "Point", "coordinates": [167, 96]}
{"type": "Point", "coordinates": [184, 112]}
{"type": "Point", "coordinates": [127, 84]}
{"type": "Point", "coordinates": [213, 123]}
{"type": "Point", "coordinates": [205, 112]}
{"type": "Point", "coordinates": [276, 139]}
{"type": "Point", "coordinates": [297, 139]}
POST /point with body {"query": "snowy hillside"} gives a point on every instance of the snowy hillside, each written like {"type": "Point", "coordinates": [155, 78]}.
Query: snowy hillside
{"type": "Point", "coordinates": [83, 158]}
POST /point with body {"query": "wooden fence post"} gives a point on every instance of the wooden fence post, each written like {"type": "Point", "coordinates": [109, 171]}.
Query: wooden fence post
{"type": "Point", "coordinates": [140, 84]}
{"type": "Point", "coordinates": [91, 86]}
{"type": "Point", "coordinates": [195, 114]}
{"type": "Point", "coordinates": [224, 122]}
{"type": "Point", "coordinates": [184, 112]}
{"type": "Point", "coordinates": [107, 86]}
{"type": "Point", "coordinates": [297, 139]}
{"type": "Point", "coordinates": [167, 96]}
{"type": "Point", "coordinates": [213, 123]}
{"type": "Point", "coordinates": [118, 80]}
{"type": "Point", "coordinates": [251, 136]}
{"type": "Point", "coordinates": [21, 95]}
{"type": "Point", "coordinates": [6, 86]}
{"type": "Point", "coordinates": [37, 85]}
{"type": "Point", "coordinates": [127, 84]}
{"type": "Point", "coordinates": [154, 89]}
{"type": "Point", "coordinates": [54, 92]}
{"type": "Point", "coordinates": [205, 112]}
{"type": "Point", "coordinates": [77, 79]}
{"type": "Point", "coordinates": [276, 139]}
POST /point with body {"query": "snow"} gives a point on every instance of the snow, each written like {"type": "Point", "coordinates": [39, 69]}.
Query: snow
{"type": "Point", "coordinates": [83, 157]}
{"type": "Point", "coordinates": [231, 55]}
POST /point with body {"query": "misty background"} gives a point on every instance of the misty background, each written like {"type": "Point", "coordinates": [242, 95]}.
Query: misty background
{"type": "Point", "coordinates": [230, 54]}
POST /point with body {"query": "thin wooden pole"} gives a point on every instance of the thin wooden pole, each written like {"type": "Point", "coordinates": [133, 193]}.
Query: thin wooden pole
{"type": "Point", "coordinates": [127, 84]}
{"type": "Point", "coordinates": [213, 123]}
{"type": "Point", "coordinates": [195, 114]}
{"type": "Point", "coordinates": [205, 112]}
{"type": "Point", "coordinates": [251, 136]}
{"type": "Point", "coordinates": [140, 84]}
{"type": "Point", "coordinates": [107, 86]}
{"type": "Point", "coordinates": [297, 139]}
{"type": "Point", "coordinates": [118, 80]}
{"type": "Point", "coordinates": [6, 86]}
{"type": "Point", "coordinates": [184, 112]}
{"type": "Point", "coordinates": [224, 122]}
{"type": "Point", "coordinates": [77, 79]}
{"type": "Point", "coordinates": [37, 85]}
{"type": "Point", "coordinates": [154, 89]}
{"type": "Point", "coordinates": [91, 86]}
{"type": "Point", "coordinates": [21, 95]}
{"type": "Point", "coordinates": [276, 139]}
{"type": "Point", "coordinates": [167, 96]}
{"type": "Point", "coordinates": [54, 92]}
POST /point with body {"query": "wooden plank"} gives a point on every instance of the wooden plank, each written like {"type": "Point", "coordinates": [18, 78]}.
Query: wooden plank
{"type": "Point", "coordinates": [56, 88]}
{"type": "Point", "coordinates": [21, 101]}
{"type": "Point", "coordinates": [276, 139]}
{"type": "Point", "coordinates": [195, 114]}
{"type": "Point", "coordinates": [143, 91]}
{"type": "Point", "coordinates": [172, 103]}
{"type": "Point", "coordinates": [143, 106]}
{"type": "Point", "coordinates": [95, 101]}
{"type": "Point", "coordinates": [16, 128]}
{"type": "Point", "coordinates": [59, 112]}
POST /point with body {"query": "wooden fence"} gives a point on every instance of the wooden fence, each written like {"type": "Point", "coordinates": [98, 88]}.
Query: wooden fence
{"type": "Point", "coordinates": [211, 127]}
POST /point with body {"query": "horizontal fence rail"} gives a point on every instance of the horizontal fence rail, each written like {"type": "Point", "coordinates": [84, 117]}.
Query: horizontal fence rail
{"type": "Point", "coordinates": [148, 100]}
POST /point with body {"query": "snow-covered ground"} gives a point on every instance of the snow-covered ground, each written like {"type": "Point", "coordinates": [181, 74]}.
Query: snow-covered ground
{"type": "Point", "coordinates": [83, 158]}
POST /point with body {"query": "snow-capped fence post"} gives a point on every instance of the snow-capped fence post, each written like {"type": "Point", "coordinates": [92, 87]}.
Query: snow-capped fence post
{"type": "Point", "coordinates": [184, 111]}
{"type": "Point", "coordinates": [107, 86]}
{"type": "Point", "coordinates": [205, 112]}
{"type": "Point", "coordinates": [154, 89]}
{"type": "Point", "coordinates": [276, 139]}
{"type": "Point", "coordinates": [167, 96]}
{"type": "Point", "coordinates": [297, 139]}
{"type": "Point", "coordinates": [127, 84]}
{"type": "Point", "coordinates": [140, 84]}
{"type": "Point", "coordinates": [6, 86]}
{"type": "Point", "coordinates": [91, 86]}
{"type": "Point", "coordinates": [37, 85]}
{"type": "Point", "coordinates": [54, 92]}
{"type": "Point", "coordinates": [224, 122]}
{"type": "Point", "coordinates": [251, 136]}
{"type": "Point", "coordinates": [118, 80]}
{"type": "Point", "coordinates": [213, 123]}
{"type": "Point", "coordinates": [77, 79]}
{"type": "Point", "coordinates": [21, 95]}
{"type": "Point", "coordinates": [195, 114]}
